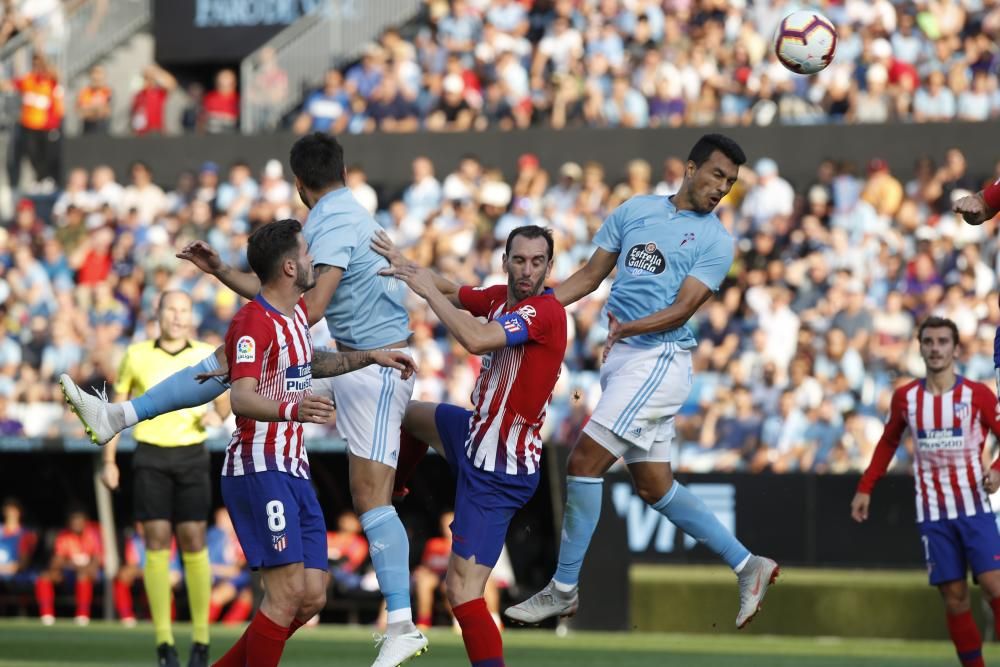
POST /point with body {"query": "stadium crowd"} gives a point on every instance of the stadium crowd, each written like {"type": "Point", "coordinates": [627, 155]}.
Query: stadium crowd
{"type": "Point", "coordinates": [798, 353]}
{"type": "Point", "coordinates": [478, 64]}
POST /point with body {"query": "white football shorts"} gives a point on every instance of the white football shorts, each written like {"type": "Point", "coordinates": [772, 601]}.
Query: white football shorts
{"type": "Point", "coordinates": [370, 404]}
{"type": "Point", "coordinates": [642, 388]}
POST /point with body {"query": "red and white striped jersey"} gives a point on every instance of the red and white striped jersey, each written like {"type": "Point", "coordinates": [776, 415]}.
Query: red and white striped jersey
{"type": "Point", "coordinates": [516, 382]}
{"type": "Point", "coordinates": [948, 432]}
{"type": "Point", "coordinates": [277, 350]}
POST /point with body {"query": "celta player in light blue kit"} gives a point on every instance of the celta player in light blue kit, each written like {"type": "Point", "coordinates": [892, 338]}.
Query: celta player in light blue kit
{"type": "Point", "coordinates": [671, 253]}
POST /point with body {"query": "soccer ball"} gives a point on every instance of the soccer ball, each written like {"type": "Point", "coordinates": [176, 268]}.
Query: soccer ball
{"type": "Point", "coordinates": [805, 42]}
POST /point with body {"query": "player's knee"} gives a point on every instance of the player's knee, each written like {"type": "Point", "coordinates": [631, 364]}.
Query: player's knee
{"type": "Point", "coordinates": [651, 491]}
{"type": "Point", "coordinates": [289, 595]}
{"type": "Point", "coordinates": [314, 603]}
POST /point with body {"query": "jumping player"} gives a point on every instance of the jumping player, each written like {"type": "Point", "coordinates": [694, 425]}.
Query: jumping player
{"type": "Point", "coordinates": [949, 418]}
{"type": "Point", "coordinates": [672, 253]}
{"type": "Point", "coordinates": [370, 403]}
{"type": "Point", "coordinates": [265, 475]}
{"type": "Point", "coordinates": [494, 449]}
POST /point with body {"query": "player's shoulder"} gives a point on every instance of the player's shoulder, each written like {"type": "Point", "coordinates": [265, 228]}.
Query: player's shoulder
{"type": "Point", "coordinates": [493, 293]}
{"type": "Point", "coordinates": [643, 206]}
{"type": "Point", "coordinates": [900, 393]}
{"type": "Point", "coordinates": [979, 389]}
{"type": "Point", "coordinates": [544, 302]}
{"type": "Point", "coordinates": [201, 346]}
{"type": "Point", "coordinates": [140, 348]}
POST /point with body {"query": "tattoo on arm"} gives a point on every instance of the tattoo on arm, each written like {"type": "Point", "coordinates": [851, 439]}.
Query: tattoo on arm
{"type": "Point", "coordinates": [320, 269]}
{"type": "Point", "coordinates": [327, 364]}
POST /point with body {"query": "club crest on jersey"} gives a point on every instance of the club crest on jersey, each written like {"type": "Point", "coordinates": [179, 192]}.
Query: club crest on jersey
{"type": "Point", "coordinates": [245, 350]}
{"type": "Point", "coordinates": [298, 378]}
{"type": "Point", "coordinates": [644, 259]}
{"type": "Point", "coordinates": [279, 542]}
{"type": "Point", "coordinates": [962, 410]}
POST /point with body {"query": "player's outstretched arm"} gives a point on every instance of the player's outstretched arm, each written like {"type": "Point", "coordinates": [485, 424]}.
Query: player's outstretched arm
{"type": "Point", "coordinates": [475, 336]}
{"type": "Point", "coordinates": [383, 245]}
{"type": "Point", "coordinates": [251, 405]}
{"type": "Point", "coordinates": [588, 278]}
{"type": "Point", "coordinates": [204, 256]}
{"type": "Point", "coordinates": [327, 364]}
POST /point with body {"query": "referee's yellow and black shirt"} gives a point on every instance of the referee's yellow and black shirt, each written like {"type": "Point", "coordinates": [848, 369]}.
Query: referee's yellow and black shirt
{"type": "Point", "coordinates": [144, 365]}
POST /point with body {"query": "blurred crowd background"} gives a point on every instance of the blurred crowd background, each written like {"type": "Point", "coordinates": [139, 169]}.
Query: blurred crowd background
{"type": "Point", "coordinates": [798, 354]}
{"type": "Point", "coordinates": [478, 64]}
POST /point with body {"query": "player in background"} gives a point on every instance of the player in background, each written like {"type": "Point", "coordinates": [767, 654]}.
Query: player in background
{"type": "Point", "coordinates": [132, 568]}
{"type": "Point", "coordinates": [171, 477]}
{"type": "Point", "coordinates": [265, 475]}
{"type": "Point", "coordinates": [493, 449]}
{"type": "Point", "coordinates": [370, 403]}
{"type": "Point", "coordinates": [231, 583]}
{"type": "Point", "coordinates": [76, 559]}
{"type": "Point", "coordinates": [17, 545]}
{"type": "Point", "coordinates": [671, 253]}
{"type": "Point", "coordinates": [949, 418]}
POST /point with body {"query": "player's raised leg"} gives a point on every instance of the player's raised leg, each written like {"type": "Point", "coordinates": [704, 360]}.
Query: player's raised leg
{"type": "Point", "coordinates": [104, 420]}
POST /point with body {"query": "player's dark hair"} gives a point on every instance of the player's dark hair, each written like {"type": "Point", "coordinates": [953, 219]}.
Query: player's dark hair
{"type": "Point", "coordinates": [709, 143]}
{"type": "Point", "coordinates": [11, 501]}
{"type": "Point", "coordinates": [317, 160]}
{"type": "Point", "coordinates": [935, 322]}
{"type": "Point", "coordinates": [531, 232]}
{"type": "Point", "coordinates": [271, 245]}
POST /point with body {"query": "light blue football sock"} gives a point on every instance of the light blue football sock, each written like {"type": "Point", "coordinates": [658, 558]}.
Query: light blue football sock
{"type": "Point", "coordinates": [390, 551]}
{"type": "Point", "coordinates": [180, 390]}
{"type": "Point", "coordinates": [583, 509]}
{"type": "Point", "coordinates": [691, 515]}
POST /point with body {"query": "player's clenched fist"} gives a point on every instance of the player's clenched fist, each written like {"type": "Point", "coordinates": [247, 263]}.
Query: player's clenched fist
{"type": "Point", "coordinates": [314, 409]}
{"type": "Point", "coordinates": [859, 506]}
{"type": "Point", "coordinates": [991, 481]}
{"type": "Point", "coordinates": [973, 208]}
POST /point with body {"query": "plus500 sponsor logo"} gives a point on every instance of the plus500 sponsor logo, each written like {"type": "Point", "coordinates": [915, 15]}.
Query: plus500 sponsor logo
{"type": "Point", "coordinates": [298, 378]}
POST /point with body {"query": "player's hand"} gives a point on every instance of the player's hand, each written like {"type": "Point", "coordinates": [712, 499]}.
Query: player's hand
{"type": "Point", "coordinates": [383, 245]}
{"type": "Point", "coordinates": [973, 208]}
{"type": "Point", "coordinates": [859, 506]}
{"type": "Point", "coordinates": [315, 409]}
{"type": "Point", "coordinates": [110, 475]}
{"type": "Point", "coordinates": [203, 256]}
{"type": "Point", "coordinates": [991, 481]}
{"type": "Point", "coordinates": [395, 359]}
{"type": "Point", "coordinates": [614, 334]}
{"type": "Point", "coordinates": [416, 277]}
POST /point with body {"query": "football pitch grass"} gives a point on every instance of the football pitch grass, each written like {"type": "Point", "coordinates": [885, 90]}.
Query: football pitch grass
{"type": "Point", "coordinates": [26, 643]}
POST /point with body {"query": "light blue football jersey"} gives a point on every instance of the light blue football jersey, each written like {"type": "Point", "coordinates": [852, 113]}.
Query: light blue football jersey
{"type": "Point", "coordinates": [658, 248]}
{"type": "Point", "coordinates": [366, 311]}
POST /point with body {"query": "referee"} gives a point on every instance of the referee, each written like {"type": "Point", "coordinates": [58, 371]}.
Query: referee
{"type": "Point", "coordinates": [172, 483]}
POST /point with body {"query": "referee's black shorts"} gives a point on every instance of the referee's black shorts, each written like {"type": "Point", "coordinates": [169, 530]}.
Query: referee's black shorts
{"type": "Point", "coordinates": [172, 483]}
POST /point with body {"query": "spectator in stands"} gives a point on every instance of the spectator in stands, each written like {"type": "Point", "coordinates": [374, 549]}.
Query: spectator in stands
{"type": "Point", "coordinates": [148, 104]}
{"type": "Point", "coordinates": [220, 107]}
{"type": "Point", "coordinates": [933, 101]}
{"type": "Point", "coordinates": [143, 194]}
{"type": "Point", "coordinates": [93, 103]}
{"type": "Point", "coordinates": [38, 133]}
{"type": "Point", "coordinates": [268, 90]}
{"type": "Point", "coordinates": [452, 112]}
{"type": "Point", "coordinates": [76, 560]}
{"type": "Point", "coordinates": [231, 583]}
{"type": "Point", "coordinates": [771, 196]}
{"type": "Point", "coordinates": [327, 109]}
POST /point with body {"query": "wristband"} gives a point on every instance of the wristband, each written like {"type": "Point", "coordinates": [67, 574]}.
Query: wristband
{"type": "Point", "coordinates": [289, 411]}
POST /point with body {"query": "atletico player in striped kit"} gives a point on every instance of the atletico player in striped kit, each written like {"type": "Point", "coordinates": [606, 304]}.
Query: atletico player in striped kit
{"type": "Point", "coordinates": [265, 475]}
{"type": "Point", "coordinates": [949, 418]}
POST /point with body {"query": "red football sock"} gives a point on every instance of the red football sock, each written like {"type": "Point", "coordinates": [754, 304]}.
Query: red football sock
{"type": "Point", "coordinates": [236, 656]}
{"type": "Point", "coordinates": [84, 596]}
{"type": "Point", "coordinates": [995, 603]}
{"type": "Point", "coordinates": [965, 636]}
{"type": "Point", "coordinates": [239, 611]}
{"type": "Point", "coordinates": [425, 620]}
{"type": "Point", "coordinates": [411, 453]}
{"type": "Point", "coordinates": [45, 594]}
{"type": "Point", "coordinates": [480, 634]}
{"type": "Point", "coordinates": [213, 612]}
{"type": "Point", "coordinates": [265, 641]}
{"type": "Point", "coordinates": [296, 624]}
{"type": "Point", "coordinates": [123, 600]}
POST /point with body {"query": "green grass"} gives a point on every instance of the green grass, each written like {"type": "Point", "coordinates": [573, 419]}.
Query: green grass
{"type": "Point", "coordinates": [25, 643]}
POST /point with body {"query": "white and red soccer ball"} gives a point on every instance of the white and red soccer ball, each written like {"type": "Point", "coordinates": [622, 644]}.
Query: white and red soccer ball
{"type": "Point", "coordinates": [805, 42]}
